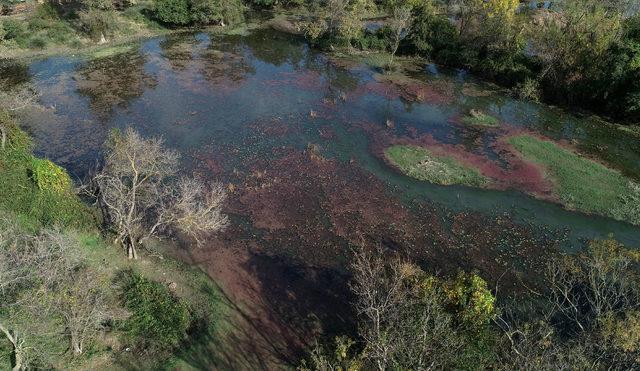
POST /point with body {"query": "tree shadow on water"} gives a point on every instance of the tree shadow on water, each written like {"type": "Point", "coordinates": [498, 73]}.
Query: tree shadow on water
{"type": "Point", "coordinates": [291, 305]}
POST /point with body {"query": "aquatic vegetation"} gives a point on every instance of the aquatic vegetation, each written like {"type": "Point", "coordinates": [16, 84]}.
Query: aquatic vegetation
{"type": "Point", "coordinates": [110, 51]}
{"type": "Point", "coordinates": [581, 183]}
{"type": "Point", "coordinates": [479, 118]}
{"type": "Point", "coordinates": [420, 163]}
{"type": "Point", "coordinates": [413, 90]}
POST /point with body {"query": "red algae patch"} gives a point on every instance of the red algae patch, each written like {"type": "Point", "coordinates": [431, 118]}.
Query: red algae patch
{"type": "Point", "coordinates": [513, 172]}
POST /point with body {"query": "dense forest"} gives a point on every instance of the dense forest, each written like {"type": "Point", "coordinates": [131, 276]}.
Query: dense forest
{"type": "Point", "coordinates": [88, 274]}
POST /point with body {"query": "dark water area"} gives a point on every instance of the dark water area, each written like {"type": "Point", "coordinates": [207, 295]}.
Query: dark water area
{"type": "Point", "coordinates": [296, 137]}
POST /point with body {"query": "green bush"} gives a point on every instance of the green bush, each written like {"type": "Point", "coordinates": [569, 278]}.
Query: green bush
{"type": "Point", "coordinates": [50, 177]}
{"type": "Point", "coordinates": [12, 29]}
{"type": "Point", "coordinates": [173, 12]}
{"type": "Point", "coordinates": [38, 191]}
{"type": "Point", "coordinates": [216, 11]}
{"type": "Point", "coordinates": [159, 320]}
{"type": "Point", "coordinates": [37, 42]}
{"type": "Point", "coordinates": [97, 23]}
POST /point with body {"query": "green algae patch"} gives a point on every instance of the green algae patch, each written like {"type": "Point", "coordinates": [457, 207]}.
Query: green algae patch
{"type": "Point", "coordinates": [422, 164]}
{"type": "Point", "coordinates": [581, 183]}
{"type": "Point", "coordinates": [479, 118]}
{"type": "Point", "coordinates": [110, 51]}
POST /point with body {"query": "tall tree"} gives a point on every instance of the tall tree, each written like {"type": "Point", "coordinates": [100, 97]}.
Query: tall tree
{"type": "Point", "coordinates": [141, 196]}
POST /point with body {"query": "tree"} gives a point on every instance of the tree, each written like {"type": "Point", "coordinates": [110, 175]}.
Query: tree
{"type": "Point", "coordinates": [140, 195]}
{"type": "Point", "coordinates": [401, 19]}
{"type": "Point", "coordinates": [174, 12]}
{"type": "Point", "coordinates": [412, 320]}
{"type": "Point", "coordinates": [221, 12]}
{"type": "Point", "coordinates": [587, 319]}
{"type": "Point", "coordinates": [337, 20]}
{"type": "Point", "coordinates": [572, 43]}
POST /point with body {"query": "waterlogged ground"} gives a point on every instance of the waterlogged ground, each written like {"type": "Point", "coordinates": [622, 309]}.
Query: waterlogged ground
{"type": "Point", "coordinates": [299, 140]}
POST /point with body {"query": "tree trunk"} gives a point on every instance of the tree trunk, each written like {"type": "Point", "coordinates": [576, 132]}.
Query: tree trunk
{"type": "Point", "coordinates": [76, 345]}
{"type": "Point", "coordinates": [131, 248]}
{"type": "Point", "coordinates": [3, 141]}
{"type": "Point", "coordinates": [17, 351]}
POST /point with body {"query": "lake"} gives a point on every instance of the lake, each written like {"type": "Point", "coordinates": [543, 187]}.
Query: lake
{"type": "Point", "coordinates": [296, 136]}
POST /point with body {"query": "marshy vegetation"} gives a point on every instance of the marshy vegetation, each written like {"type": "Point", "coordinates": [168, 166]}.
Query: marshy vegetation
{"type": "Point", "coordinates": [421, 164]}
{"type": "Point", "coordinates": [301, 193]}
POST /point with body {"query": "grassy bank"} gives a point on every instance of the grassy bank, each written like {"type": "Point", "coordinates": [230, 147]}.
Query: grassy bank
{"type": "Point", "coordinates": [581, 183]}
{"type": "Point", "coordinates": [51, 30]}
{"type": "Point", "coordinates": [421, 164]}
{"type": "Point", "coordinates": [168, 309]}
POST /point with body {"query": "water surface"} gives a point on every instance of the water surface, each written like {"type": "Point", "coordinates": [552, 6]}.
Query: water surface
{"type": "Point", "coordinates": [234, 105]}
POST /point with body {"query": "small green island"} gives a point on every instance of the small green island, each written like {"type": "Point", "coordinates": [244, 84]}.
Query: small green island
{"type": "Point", "coordinates": [420, 163]}
{"type": "Point", "coordinates": [479, 118]}
{"type": "Point", "coordinates": [582, 184]}
{"type": "Point", "coordinates": [578, 183]}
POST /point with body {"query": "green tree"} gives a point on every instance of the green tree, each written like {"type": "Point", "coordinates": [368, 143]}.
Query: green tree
{"type": "Point", "coordinates": [159, 320]}
{"type": "Point", "coordinates": [222, 12]}
{"type": "Point", "coordinates": [173, 12]}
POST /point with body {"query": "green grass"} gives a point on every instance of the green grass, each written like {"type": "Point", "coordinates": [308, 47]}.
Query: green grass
{"type": "Point", "coordinates": [479, 118]}
{"type": "Point", "coordinates": [581, 183]}
{"type": "Point", "coordinates": [110, 51]}
{"type": "Point", "coordinates": [420, 163]}
{"type": "Point", "coordinates": [35, 206]}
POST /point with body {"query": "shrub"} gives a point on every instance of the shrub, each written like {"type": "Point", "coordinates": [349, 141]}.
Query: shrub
{"type": "Point", "coordinates": [158, 318]}
{"type": "Point", "coordinates": [97, 23]}
{"type": "Point", "coordinates": [37, 42]}
{"type": "Point", "coordinates": [217, 11]}
{"type": "Point", "coordinates": [12, 29]}
{"type": "Point", "coordinates": [378, 40]}
{"type": "Point", "coordinates": [529, 90]}
{"type": "Point", "coordinates": [50, 177]}
{"type": "Point", "coordinates": [29, 186]}
{"type": "Point", "coordinates": [174, 12]}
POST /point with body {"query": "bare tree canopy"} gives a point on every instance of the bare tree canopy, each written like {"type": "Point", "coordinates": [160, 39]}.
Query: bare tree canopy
{"type": "Point", "coordinates": [47, 297]}
{"type": "Point", "coordinates": [141, 196]}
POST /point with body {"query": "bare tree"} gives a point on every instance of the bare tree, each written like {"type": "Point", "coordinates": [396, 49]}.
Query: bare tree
{"type": "Point", "coordinates": [197, 209]}
{"type": "Point", "coordinates": [32, 270]}
{"type": "Point", "coordinates": [140, 197]}
{"type": "Point", "coordinates": [401, 20]}
{"type": "Point", "coordinates": [404, 324]}
{"type": "Point", "coordinates": [593, 297]}
{"type": "Point", "coordinates": [84, 307]}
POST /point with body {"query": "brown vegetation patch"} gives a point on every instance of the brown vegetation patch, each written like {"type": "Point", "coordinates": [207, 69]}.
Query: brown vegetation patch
{"type": "Point", "coordinates": [435, 92]}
